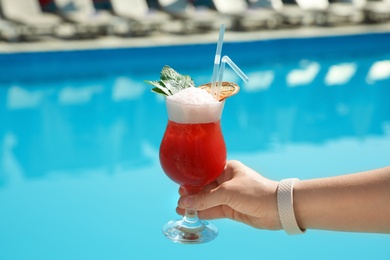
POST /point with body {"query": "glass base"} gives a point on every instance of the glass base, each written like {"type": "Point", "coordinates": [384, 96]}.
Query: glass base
{"type": "Point", "coordinates": [198, 232]}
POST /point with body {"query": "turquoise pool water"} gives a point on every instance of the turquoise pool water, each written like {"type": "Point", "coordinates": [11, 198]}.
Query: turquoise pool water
{"type": "Point", "coordinates": [80, 132]}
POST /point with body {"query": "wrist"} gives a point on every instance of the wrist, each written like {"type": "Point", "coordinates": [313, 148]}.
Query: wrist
{"type": "Point", "coordinates": [308, 206]}
{"type": "Point", "coordinates": [299, 202]}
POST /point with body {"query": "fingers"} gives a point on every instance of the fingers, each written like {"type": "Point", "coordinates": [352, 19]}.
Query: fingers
{"type": "Point", "coordinates": [207, 188]}
{"type": "Point", "coordinates": [210, 187]}
{"type": "Point", "coordinates": [181, 191]}
{"type": "Point", "coordinates": [230, 171]}
{"type": "Point", "coordinates": [204, 199]}
{"type": "Point", "coordinates": [213, 195]}
{"type": "Point", "coordinates": [212, 213]}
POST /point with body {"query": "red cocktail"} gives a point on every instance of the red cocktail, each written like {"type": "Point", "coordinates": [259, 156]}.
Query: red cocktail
{"type": "Point", "coordinates": [192, 154]}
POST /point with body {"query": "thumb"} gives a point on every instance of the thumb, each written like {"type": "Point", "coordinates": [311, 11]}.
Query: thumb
{"type": "Point", "coordinates": [202, 200]}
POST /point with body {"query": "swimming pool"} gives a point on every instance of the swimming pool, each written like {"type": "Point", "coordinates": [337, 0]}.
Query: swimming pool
{"type": "Point", "coordinates": [80, 131]}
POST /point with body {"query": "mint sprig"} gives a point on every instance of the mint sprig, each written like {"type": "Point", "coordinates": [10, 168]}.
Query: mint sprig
{"type": "Point", "coordinates": [171, 82]}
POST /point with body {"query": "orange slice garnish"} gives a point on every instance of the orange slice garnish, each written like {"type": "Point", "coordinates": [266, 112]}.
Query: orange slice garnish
{"type": "Point", "coordinates": [228, 89]}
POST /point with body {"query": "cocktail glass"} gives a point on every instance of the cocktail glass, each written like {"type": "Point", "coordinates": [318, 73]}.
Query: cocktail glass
{"type": "Point", "coordinates": [192, 154]}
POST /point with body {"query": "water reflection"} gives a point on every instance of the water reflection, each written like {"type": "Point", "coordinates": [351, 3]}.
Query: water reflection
{"type": "Point", "coordinates": [340, 74]}
{"type": "Point", "coordinates": [333, 101]}
{"type": "Point", "coordinates": [78, 95]}
{"type": "Point", "coordinates": [114, 121]}
{"type": "Point", "coordinates": [126, 88]}
{"type": "Point", "coordinates": [19, 98]}
{"type": "Point", "coordinates": [304, 75]}
{"type": "Point", "coordinates": [260, 80]}
{"type": "Point", "coordinates": [74, 126]}
{"type": "Point", "coordinates": [380, 70]}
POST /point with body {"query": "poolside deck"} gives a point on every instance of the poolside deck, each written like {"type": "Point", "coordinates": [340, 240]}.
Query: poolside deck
{"type": "Point", "coordinates": [54, 44]}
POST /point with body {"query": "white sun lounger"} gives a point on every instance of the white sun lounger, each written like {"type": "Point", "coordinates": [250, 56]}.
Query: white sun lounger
{"type": "Point", "coordinates": [290, 14]}
{"type": "Point", "coordinates": [29, 13]}
{"type": "Point", "coordinates": [12, 32]}
{"type": "Point", "coordinates": [332, 13]}
{"type": "Point", "coordinates": [8, 30]}
{"type": "Point", "coordinates": [144, 18]}
{"type": "Point", "coordinates": [192, 17]}
{"type": "Point", "coordinates": [85, 17]}
{"type": "Point", "coordinates": [377, 11]}
{"type": "Point", "coordinates": [349, 11]}
{"type": "Point", "coordinates": [245, 17]}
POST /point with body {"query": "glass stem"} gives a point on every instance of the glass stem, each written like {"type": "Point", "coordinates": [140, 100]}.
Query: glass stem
{"type": "Point", "coordinates": [191, 222]}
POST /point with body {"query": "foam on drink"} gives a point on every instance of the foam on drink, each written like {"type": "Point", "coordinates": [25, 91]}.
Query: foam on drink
{"type": "Point", "coordinates": [193, 106]}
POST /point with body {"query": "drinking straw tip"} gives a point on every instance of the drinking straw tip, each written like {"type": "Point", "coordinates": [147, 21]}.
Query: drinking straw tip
{"type": "Point", "coordinates": [226, 59]}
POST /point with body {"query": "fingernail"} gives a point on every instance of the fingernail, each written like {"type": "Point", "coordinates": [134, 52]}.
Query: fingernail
{"type": "Point", "coordinates": [187, 201]}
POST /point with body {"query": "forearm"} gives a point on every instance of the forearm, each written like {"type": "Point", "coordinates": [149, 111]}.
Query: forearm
{"type": "Point", "coordinates": [356, 202]}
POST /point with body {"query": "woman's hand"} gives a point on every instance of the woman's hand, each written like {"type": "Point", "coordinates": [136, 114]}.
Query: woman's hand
{"type": "Point", "coordinates": [239, 193]}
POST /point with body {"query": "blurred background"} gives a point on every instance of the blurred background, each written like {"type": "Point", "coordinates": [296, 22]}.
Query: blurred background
{"type": "Point", "coordinates": [29, 20]}
{"type": "Point", "coordinates": [80, 130]}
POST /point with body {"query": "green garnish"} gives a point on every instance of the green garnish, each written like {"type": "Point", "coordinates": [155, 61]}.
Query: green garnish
{"type": "Point", "coordinates": [171, 82]}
